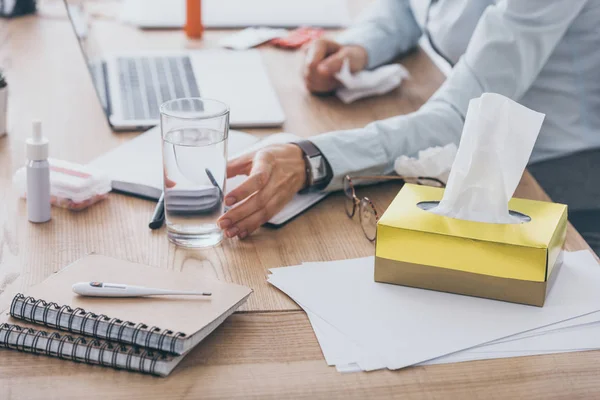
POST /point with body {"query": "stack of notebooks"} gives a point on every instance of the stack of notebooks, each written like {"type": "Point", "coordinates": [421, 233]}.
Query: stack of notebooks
{"type": "Point", "coordinates": [362, 325]}
{"type": "Point", "coordinates": [149, 335]}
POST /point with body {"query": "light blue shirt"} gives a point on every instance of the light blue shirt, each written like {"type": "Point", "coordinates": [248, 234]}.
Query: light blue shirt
{"type": "Point", "coordinates": [545, 54]}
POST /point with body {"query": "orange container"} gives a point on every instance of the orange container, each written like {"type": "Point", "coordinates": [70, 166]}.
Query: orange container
{"type": "Point", "coordinates": [193, 20]}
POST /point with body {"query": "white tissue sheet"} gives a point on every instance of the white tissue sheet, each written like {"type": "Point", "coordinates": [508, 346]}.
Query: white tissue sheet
{"type": "Point", "coordinates": [433, 162]}
{"type": "Point", "coordinates": [251, 37]}
{"type": "Point", "coordinates": [497, 140]}
{"type": "Point", "coordinates": [368, 83]}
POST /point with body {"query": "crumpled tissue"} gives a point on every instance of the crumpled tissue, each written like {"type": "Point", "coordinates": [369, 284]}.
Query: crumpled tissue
{"type": "Point", "coordinates": [368, 83]}
{"type": "Point", "coordinates": [434, 162]}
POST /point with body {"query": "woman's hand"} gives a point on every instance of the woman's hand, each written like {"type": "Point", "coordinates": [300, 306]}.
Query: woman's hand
{"type": "Point", "coordinates": [275, 174]}
{"type": "Point", "coordinates": [324, 59]}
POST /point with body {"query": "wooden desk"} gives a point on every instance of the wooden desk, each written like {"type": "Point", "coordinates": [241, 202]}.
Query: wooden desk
{"type": "Point", "coordinates": [268, 350]}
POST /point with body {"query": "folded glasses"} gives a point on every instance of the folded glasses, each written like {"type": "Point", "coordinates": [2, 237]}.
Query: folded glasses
{"type": "Point", "coordinates": [367, 211]}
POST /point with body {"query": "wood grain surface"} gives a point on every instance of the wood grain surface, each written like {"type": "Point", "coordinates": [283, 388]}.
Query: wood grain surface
{"type": "Point", "coordinates": [275, 356]}
{"type": "Point", "coordinates": [269, 351]}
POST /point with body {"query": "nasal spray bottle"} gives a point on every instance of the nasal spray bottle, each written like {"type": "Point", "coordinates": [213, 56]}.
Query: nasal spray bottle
{"type": "Point", "coordinates": [38, 176]}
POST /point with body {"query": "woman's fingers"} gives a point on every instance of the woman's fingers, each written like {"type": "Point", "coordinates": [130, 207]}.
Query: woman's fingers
{"type": "Point", "coordinates": [320, 77]}
{"type": "Point", "coordinates": [317, 51]}
{"type": "Point", "coordinates": [357, 58]}
{"type": "Point", "coordinates": [333, 64]}
{"type": "Point", "coordinates": [240, 166]}
{"type": "Point", "coordinates": [278, 172]}
{"type": "Point", "coordinates": [315, 78]}
{"type": "Point", "coordinates": [258, 179]}
{"type": "Point", "coordinates": [169, 183]}
{"type": "Point", "coordinates": [321, 83]}
{"type": "Point", "coordinates": [259, 217]}
{"type": "Point", "coordinates": [250, 206]}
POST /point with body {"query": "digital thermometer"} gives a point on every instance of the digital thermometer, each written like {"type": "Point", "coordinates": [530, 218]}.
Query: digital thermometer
{"type": "Point", "coordinates": [101, 289]}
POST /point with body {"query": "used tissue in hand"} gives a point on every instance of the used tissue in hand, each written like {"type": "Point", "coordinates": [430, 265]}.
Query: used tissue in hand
{"type": "Point", "coordinates": [472, 238]}
{"type": "Point", "coordinates": [370, 82]}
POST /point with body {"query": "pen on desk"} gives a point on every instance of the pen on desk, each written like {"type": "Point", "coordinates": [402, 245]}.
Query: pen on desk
{"type": "Point", "coordinates": [213, 181]}
{"type": "Point", "coordinates": [159, 213]}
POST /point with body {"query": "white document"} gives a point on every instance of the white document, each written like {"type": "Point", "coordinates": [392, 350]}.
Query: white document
{"type": "Point", "coordinates": [404, 326]}
{"type": "Point", "coordinates": [347, 356]}
{"type": "Point", "coordinates": [337, 349]}
{"type": "Point", "coordinates": [576, 334]}
{"type": "Point", "coordinates": [135, 167]}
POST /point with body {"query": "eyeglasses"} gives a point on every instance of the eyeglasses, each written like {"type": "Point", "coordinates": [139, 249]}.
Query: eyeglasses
{"type": "Point", "coordinates": [367, 211]}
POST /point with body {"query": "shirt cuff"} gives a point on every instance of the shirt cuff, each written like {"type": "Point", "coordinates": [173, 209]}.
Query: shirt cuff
{"type": "Point", "coordinates": [347, 156]}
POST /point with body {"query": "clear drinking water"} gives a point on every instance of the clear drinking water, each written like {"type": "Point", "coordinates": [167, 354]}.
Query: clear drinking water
{"type": "Point", "coordinates": [195, 162]}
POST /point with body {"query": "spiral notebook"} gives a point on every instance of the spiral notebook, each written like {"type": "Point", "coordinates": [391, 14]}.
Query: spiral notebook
{"type": "Point", "coordinates": [143, 334]}
{"type": "Point", "coordinates": [27, 338]}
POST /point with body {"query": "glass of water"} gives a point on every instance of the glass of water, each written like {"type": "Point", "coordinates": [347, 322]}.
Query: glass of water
{"type": "Point", "coordinates": [194, 140]}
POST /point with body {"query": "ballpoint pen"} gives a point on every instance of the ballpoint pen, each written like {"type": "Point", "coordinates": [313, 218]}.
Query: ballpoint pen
{"type": "Point", "coordinates": [159, 213]}
{"type": "Point", "coordinates": [214, 181]}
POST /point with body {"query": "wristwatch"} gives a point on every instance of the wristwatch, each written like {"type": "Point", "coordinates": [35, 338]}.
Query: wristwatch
{"type": "Point", "coordinates": [318, 171]}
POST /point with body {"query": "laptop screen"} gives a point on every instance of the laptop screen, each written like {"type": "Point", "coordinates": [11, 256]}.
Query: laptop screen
{"type": "Point", "coordinates": [90, 48]}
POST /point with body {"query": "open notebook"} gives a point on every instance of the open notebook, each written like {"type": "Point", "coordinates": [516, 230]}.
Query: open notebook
{"type": "Point", "coordinates": [136, 168]}
{"type": "Point", "coordinates": [165, 327]}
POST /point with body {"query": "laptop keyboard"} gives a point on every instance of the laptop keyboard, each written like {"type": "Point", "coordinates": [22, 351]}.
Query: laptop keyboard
{"type": "Point", "coordinates": [147, 82]}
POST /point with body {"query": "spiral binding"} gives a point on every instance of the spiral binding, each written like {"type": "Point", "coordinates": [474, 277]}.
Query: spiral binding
{"type": "Point", "coordinates": [167, 339]}
{"type": "Point", "coordinates": [8, 331]}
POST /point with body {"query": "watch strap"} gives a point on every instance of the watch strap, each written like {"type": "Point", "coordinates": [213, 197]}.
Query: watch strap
{"type": "Point", "coordinates": [310, 151]}
{"type": "Point", "coordinates": [308, 147]}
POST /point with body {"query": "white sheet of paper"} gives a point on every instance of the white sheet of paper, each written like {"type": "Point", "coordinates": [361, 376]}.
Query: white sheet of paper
{"type": "Point", "coordinates": [583, 257]}
{"type": "Point", "coordinates": [375, 315]}
{"type": "Point", "coordinates": [576, 334]}
{"type": "Point", "coordinates": [340, 352]}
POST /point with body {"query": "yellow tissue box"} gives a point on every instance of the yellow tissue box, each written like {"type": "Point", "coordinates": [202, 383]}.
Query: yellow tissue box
{"type": "Point", "coordinates": [509, 262]}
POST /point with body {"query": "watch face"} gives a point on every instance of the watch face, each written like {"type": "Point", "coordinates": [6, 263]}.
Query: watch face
{"type": "Point", "coordinates": [318, 169]}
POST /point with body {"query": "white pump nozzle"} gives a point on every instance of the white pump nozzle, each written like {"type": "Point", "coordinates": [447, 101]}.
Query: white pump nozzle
{"type": "Point", "coordinates": [37, 131]}
{"type": "Point", "coordinates": [37, 145]}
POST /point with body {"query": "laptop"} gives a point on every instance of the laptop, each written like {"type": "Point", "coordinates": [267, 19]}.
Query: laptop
{"type": "Point", "coordinates": [132, 86]}
{"type": "Point", "coordinates": [156, 14]}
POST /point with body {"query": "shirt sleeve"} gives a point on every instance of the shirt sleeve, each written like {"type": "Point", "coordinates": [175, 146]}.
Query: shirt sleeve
{"type": "Point", "coordinates": [387, 29]}
{"type": "Point", "coordinates": [510, 45]}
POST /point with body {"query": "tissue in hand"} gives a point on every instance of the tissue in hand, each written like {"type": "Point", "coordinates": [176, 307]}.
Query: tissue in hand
{"type": "Point", "coordinates": [368, 83]}
{"type": "Point", "coordinates": [497, 140]}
